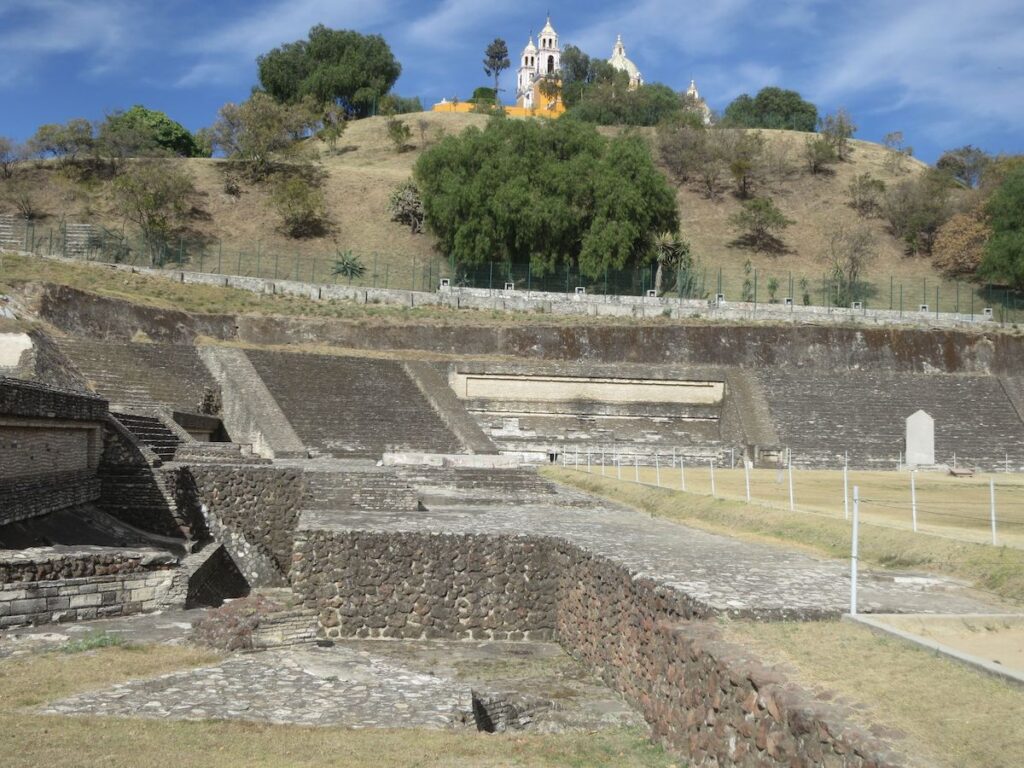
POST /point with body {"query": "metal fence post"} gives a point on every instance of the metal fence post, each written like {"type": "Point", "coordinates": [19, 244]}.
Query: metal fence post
{"type": "Point", "coordinates": [853, 551]}
{"type": "Point", "coordinates": [992, 506]}
{"type": "Point", "coordinates": [913, 499]}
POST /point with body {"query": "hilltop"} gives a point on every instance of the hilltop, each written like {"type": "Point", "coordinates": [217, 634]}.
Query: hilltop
{"type": "Point", "coordinates": [364, 170]}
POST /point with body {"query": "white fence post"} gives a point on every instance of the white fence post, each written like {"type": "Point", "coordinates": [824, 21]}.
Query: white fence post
{"type": "Point", "coordinates": [846, 489]}
{"type": "Point", "coordinates": [746, 477]}
{"type": "Point", "coordinates": [992, 506]}
{"type": "Point", "coordinates": [636, 468]}
{"type": "Point", "coordinates": [913, 499]}
{"type": "Point", "coordinates": [732, 458]}
{"type": "Point", "coordinates": [589, 470]}
{"type": "Point", "coordinates": [618, 467]}
{"type": "Point", "coordinates": [602, 461]}
{"type": "Point", "coordinates": [792, 507]}
{"type": "Point", "coordinates": [713, 478]}
{"type": "Point", "coordinates": [682, 475]}
{"type": "Point", "coordinates": [577, 457]}
{"type": "Point", "coordinates": [853, 551]}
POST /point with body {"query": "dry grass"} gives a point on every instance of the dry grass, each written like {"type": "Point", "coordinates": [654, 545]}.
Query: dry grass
{"type": "Point", "coordinates": [998, 570]}
{"type": "Point", "coordinates": [167, 294]}
{"type": "Point", "coordinates": [27, 739]}
{"type": "Point", "coordinates": [952, 716]}
{"type": "Point", "coordinates": [957, 507]}
{"type": "Point", "coordinates": [366, 168]}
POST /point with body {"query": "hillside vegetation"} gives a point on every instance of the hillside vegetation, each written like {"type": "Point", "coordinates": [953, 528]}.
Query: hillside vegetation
{"type": "Point", "coordinates": [365, 167]}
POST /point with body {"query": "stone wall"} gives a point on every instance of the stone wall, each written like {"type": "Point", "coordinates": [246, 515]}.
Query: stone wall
{"type": "Point", "coordinates": [58, 563]}
{"type": "Point", "coordinates": [30, 400]}
{"type": "Point", "coordinates": [707, 698]}
{"type": "Point", "coordinates": [26, 498]}
{"type": "Point", "coordinates": [366, 584]}
{"type": "Point", "coordinates": [840, 347]}
{"type": "Point", "coordinates": [50, 445]}
{"type": "Point", "coordinates": [80, 599]}
{"type": "Point", "coordinates": [256, 509]}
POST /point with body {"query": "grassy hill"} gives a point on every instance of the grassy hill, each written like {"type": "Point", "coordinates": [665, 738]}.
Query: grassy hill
{"type": "Point", "coordinates": [366, 168]}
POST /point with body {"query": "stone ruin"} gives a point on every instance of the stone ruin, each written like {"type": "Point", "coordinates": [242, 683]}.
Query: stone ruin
{"type": "Point", "coordinates": [375, 498]}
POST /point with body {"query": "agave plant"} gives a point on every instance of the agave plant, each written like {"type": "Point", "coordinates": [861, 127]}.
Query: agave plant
{"type": "Point", "coordinates": [348, 265]}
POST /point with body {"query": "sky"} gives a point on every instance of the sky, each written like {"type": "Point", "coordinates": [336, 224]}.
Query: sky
{"type": "Point", "coordinates": [944, 72]}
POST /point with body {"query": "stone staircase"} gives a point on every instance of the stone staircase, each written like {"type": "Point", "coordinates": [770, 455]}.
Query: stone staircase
{"type": "Point", "coordinates": [352, 407]}
{"type": "Point", "coordinates": [141, 376]}
{"type": "Point", "coordinates": [822, 414]}
{"type": "Point", "coordinates": [78, 240]}
{"type": "Point", "coordinates": [11, 233]}
{"type": "Point", "coordinates": [461, 485]}
{"type": "Point", "coordinates": [151, 432]}
{"type": "Point", "coordinates": [375, 488]}
{"type": "Point", "coordinates": [143, 498]}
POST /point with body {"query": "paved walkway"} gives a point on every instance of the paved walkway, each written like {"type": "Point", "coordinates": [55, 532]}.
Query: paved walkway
{"type": "Point", "coordinates": [726, 575]}
{"type": "Point", "coordinates": [308, 686]}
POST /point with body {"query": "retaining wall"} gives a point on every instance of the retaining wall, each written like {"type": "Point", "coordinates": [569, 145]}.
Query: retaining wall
{"type": "Point", "coordinates": [252, 509]}
{"type": "Point", "coordinates": [705, 697]}
{"type": "Point", "coordinates": [95, 597]}
{"type": "Point", "coordinates": [918, 350]}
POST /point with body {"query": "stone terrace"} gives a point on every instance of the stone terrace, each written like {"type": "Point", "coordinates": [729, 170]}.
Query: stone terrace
{"type": "Point", "coordinates": [142, 375]}
{"type": "Point", "coordinates": [820, 415]}
{"type": "Point", "coordinates": [714, 574]}
{"type": "Point", "coordinates": [352, 407]}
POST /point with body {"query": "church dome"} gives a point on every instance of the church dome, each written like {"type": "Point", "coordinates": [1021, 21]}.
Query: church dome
{"type": "Point", "coordinates": [530, 47]}
{"type": "Point", "coordinates": [548, 31]}
{"type": "Point", "coordinates": [621, 62]}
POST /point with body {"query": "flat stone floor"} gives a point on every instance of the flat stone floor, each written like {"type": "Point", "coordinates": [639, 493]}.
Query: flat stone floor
{"type": "Point", "coordinates": [352, 684]}
{"type": "Point", "coordinates": [725, 575]}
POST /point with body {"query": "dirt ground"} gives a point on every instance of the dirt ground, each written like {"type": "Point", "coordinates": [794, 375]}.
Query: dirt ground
{"type": "Point", "coordinates": [999, 639]}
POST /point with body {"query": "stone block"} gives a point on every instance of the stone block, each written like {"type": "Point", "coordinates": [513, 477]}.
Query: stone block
{"type": "Point", "coordinates": [30, 605]}
{"type": "Point", "coordinates": [84, 601]}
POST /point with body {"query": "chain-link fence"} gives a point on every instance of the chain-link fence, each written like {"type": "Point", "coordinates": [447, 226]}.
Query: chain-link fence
{"type": "Point", "coordinates": [702, 281]}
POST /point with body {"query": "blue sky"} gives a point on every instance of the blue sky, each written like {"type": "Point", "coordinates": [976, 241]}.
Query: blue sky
{"type": "Point", "coordinates": [945, 72]}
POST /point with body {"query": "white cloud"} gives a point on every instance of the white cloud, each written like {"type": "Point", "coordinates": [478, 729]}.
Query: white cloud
{"type": "Point", "coordinates": [965, 59]}
{"type": "Point", "coordinates": [32, 30]}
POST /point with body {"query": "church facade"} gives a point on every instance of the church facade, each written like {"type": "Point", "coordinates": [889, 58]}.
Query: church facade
{"type": "Point", "coordinates": [536, 63]}
{"type": "Point", "coordinates": [540, 65]}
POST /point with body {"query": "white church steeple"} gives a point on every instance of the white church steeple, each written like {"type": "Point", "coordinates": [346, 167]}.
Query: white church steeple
{"type": "Point", "coordinates": [536, 62]}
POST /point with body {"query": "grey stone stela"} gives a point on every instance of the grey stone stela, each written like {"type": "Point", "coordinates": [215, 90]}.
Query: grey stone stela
{"type": "Point", "coordinates": [920, 439]}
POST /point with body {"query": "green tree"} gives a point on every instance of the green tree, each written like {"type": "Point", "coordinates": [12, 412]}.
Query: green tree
{"type": "Point", "coordinates": [916, 208]}
{"type": "Point", "coordinates": [966, 164]}
{"type": "Point", "coordinates": [154, 195]}
{"type": "Point", "coordinates": [758, 221]}
{"type": "Point", "coordinates": [300, 203]}
{"type": "Point", "coordinates": [1004, 253]}
{"type": "Point", "coordinates": [548, 193]}
{"type": "Point", "coordinates": [399, 133]}
{"type": "Point", "coordinates": [151, 129]}
{"type": "Point", "coordinates": [772, 108]}
{"type": "Point", "coordinates": [819, 154]}
{"type": "Point", "coordinates": [614, 103]}
{"type": "Point", "coordinates": [743, 153]}
{"type": "Point", "coordinates": [866, 193]}
{"type": "Point", "coordinates": [259, 127]}
{"type": "Point", "coordinates": [496, 61]}
{"type": "Point", "coordinates": [580, 71]}
{"type": "Point", "coordinates": [331, 66]}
